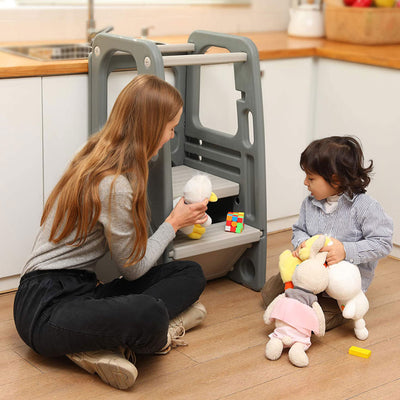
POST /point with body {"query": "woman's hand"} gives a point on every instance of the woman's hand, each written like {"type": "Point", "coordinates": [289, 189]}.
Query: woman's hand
{"type": "Point", "coordinates": [336, 251]}
{"type": "Point", "coordinates": [187, 214]}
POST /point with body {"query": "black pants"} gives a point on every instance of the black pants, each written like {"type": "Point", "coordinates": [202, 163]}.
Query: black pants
{"type": "Point", "coordinates": [66, 311]}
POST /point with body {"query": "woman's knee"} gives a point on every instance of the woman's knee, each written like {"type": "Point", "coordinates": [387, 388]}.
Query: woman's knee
{"type": "Point", "coordinates": [148, 327]}
{"type": "Point", "coordinates": [194, 270]}
{"type": "Point", "coordinates": [150, 312]}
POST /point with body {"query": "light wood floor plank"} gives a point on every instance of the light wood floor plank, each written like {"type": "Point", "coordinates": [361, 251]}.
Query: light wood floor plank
{"type": "Point", "coordinates": [386, 391]}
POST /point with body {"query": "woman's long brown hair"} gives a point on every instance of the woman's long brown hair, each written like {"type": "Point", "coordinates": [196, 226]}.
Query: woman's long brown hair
{"type": "Point", "coordinates": [123, 146]}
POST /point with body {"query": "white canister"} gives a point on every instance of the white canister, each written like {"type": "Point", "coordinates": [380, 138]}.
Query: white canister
{"type": "Point", "coordinates": [306, 20]}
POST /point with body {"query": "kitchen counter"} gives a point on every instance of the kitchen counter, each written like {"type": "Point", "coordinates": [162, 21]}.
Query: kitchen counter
{"type": "Point", "coordinates": [271, 45]}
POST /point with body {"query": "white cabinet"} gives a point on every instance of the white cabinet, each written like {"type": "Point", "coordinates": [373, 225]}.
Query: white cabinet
{"type": "Point", "coordinates": [43, 121]}
{"type": "Point", "coordinates": [361, 100]}
{"type": "Point", "coordinates": [65, 123]}
{"type": "Point", "coordinates": [288, 100]}
{"type": "Point", "coordinates": [21, 185]}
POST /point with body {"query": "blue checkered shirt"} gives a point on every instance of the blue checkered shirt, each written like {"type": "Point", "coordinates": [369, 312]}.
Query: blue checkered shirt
{"type": "Point", "coordinates": [359, 223]}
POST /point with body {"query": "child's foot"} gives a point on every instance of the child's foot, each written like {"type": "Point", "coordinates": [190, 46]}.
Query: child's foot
{"type": "Point", "coordinates": [112, 367]}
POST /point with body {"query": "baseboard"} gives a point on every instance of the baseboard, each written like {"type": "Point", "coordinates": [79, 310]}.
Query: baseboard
{"type": "Point", "coordinates": [395, 253]}
{"type": "Point", "coordinates": [280, 224]}
{"type": "Point", "coordinates": [9, 283]}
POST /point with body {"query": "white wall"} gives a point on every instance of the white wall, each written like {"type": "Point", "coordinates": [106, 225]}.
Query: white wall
{"type": "Point", "coordinates": [67, 23]}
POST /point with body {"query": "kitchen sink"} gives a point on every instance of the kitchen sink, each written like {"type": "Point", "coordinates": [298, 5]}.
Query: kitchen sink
{"type": "Point", "coordinates": [50, 52]}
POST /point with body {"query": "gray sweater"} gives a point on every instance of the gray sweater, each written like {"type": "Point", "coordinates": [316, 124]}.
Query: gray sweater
{"type": "Point", "coordinates": [48, 256]}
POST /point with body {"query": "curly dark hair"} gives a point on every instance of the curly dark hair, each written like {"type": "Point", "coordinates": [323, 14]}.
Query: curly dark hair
{"type": "Point", "coordinates": [340, 161]}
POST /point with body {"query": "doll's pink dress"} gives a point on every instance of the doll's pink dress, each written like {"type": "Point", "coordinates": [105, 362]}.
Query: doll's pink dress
{"type": "Point", "coordinates": [300, 320]}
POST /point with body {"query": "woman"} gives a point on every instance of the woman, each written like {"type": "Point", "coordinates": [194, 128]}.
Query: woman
{"type": "Point", "coordinates": [100, 204]}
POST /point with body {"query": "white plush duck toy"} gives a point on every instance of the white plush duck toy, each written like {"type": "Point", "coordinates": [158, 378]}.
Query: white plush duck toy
{"type": "Point", "coordinates": [195, 190]}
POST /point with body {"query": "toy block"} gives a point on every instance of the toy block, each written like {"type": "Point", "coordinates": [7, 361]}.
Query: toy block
{"type": "Point", "coordinates": [359, 352]}
{"type": "Point", "coordinates": [234, 222]}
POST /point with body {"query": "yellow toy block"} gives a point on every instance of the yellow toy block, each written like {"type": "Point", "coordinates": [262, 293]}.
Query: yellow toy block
{"type": "Point", "coordinates": [359, 352]}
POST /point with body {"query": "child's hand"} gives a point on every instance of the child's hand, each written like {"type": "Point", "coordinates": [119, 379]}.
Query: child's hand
{"type": "Point", "coordinates": [296, 252]}
{"type": "Point", "coordinates": [335, 251]}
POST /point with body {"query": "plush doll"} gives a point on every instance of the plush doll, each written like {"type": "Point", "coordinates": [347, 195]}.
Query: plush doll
{"type": "Point", "coordinates": [344, 285]}
{"type": "Point", "coordinates": [296, 312]}
{"type": "Point", "coordinates": [195, 190]}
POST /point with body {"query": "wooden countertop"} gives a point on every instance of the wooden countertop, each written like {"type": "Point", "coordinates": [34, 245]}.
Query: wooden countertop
{"type": "Point", "coordinates": [271, 45]}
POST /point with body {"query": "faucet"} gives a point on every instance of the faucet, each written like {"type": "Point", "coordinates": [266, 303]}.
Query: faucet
{"type": "Point", "coordinates": [144, 32]}
{"type": "Point", "coordinates": [91, 23]}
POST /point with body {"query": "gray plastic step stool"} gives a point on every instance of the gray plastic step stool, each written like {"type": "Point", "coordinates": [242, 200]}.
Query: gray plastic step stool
{"type": "Point", "coordinates": [235, 163]}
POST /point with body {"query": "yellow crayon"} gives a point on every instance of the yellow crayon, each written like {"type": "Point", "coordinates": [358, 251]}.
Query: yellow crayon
{"type": "Point", "coordinates": [359, 352]}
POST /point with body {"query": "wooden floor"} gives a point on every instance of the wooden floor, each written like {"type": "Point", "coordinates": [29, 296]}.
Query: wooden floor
{"type": "Point", "coordinates": [225, 356]}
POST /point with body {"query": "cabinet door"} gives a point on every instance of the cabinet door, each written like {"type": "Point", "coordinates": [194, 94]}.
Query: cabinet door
{"type": "Point", "coordinates": [65, 123]}
{"type": "Point", "coordinates": [362, 100]}
{"type": "Point", "coordinates": [288, 90]}
{"type": "Point", "coordinates": [21, 185]}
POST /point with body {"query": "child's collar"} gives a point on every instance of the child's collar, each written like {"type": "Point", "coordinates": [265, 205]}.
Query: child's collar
{"type": "Point", "coordinates": [333, 199]}
{"type": "Point", "coordinates": [342, 197]}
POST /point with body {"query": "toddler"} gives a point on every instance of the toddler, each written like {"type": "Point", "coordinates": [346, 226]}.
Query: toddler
{"type": "Point", "coordinates": [339, 207]}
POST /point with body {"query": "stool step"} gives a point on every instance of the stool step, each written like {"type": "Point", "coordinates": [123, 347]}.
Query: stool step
{"type": "Point", "coordinates": [220, 186]}
{"type": "Point", "coordinates": [214, 239]}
